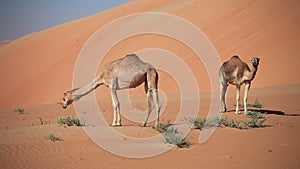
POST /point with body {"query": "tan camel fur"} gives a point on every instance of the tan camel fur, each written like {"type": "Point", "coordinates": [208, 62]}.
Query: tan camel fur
{"type": "Point", "coordinates": [236, 72]}
{"type": "Point", "coordinates": [124, 73]}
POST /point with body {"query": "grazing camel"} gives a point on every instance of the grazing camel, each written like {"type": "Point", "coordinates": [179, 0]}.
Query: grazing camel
{"type": "Point", "coordinates": [236, 72]}
{"type": "Point", "coordinates": [124, 73]}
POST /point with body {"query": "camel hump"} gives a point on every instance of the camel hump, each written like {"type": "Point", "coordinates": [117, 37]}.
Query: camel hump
{"type": "Point", "coordinates": [132, 55]}
{"type": "Point", "coordinates": [132, 58]}
{"type": "Point", "coordinates": [235, 57]}
{"type": "Point", "coordinates": [134, 61]}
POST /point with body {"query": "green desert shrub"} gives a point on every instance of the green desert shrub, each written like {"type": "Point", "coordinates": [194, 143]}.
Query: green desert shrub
{"type": "Point", "coordinates": [20, 110]}
{"type": "Point", "coordinates": [70, 121]}
{"type": "Point", "coordinates": [172, 136]}
{"type": "Point", "coordinates": [198, 123]}
{"type": "Point", "coordinates": [53, 137]}
{"type": "Point", "coordinates": [162, 127]}
{"type": "Point", "coordinates": [256, 104]}
{"type": "Point", "coordinates": [254, 120]}
{"type": "Point", "coordinates": [201, 123]}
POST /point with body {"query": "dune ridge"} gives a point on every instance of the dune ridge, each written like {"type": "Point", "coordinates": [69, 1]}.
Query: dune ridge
{"type": "Point", "coordinates": [38, 67]}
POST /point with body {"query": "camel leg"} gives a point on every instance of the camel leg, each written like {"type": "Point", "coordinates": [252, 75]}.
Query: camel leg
{"type": "Point", "coordinates": [157, 105]}
{"type": "Point", "coordinates": [238, 87]}
{"type": "Point", "coordinates": [116, 106]}
{"type": "Point", "coordinates": [150, 105]}
{"type": "Point", "coordinates": [223, 89]}
{"type": "Point", "coordinates": [152, 79]}
{"type": "Point", "coordinates": [247, 87]}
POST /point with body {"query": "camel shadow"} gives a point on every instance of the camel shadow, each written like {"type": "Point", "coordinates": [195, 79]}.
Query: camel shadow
{"type": "Point", "coordinates": [268, 111]}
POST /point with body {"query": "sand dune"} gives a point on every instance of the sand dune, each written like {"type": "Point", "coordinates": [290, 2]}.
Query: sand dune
{"type": "Point", "coordinates": [37, 68]}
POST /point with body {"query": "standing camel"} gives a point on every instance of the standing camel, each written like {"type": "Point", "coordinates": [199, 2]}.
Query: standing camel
{"type": "Point", "coordinates": [236, 72]}
{"type": "Point", "coordinates": [124, 73]}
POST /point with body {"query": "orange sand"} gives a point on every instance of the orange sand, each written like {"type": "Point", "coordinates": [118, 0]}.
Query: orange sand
{"type": "Point", "coordinates": [37, 68]}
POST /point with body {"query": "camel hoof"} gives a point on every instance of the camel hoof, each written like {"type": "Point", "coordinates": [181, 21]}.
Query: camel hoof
{"type": "Point", "coordinates": [223, 110]}
{"type": "Point", "coordinates": [116, 125]}
{"type": "Point", "coordinates": [237, 112]}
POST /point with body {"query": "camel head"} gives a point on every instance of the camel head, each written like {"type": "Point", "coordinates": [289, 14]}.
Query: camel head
{"type": "Point", "coordinates": [255, 61]}
{"type": "Point", "coordinates": [67, 100]}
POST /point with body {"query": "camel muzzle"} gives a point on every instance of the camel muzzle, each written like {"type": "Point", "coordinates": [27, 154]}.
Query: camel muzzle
{"type": "Point", "coordinates": [64, 106]}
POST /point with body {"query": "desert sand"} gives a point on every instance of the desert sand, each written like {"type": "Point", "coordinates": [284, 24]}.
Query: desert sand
{"type": "Point", "coordinates": [36, 69]}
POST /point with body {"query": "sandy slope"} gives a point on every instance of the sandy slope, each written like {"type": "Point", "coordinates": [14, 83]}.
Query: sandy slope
{"type": "Point", "coordinates": [43, 62]}
{"type": "Point", "coordinates": [37, 68]}
{"type": "Point", "coordinates": [24, 142]}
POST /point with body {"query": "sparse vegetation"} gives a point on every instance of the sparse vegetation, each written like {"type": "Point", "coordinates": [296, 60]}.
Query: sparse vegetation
{"type": "Point", "coordinates": [53, 137]}
{"type": "Point", "coordinates": [43, 122]}
{"type": "Point", "coordinates": [172, 136]}
{"type": "Point", "coordinates": [198, 123]}
{"type": "Point", "coordinates": [256, 104]}
{"type": "Point", "coordinates": [20, 110]}
{"type": "Point", "coordinates": [70, 121]}
{"type": "Point", "coordinates": [162, 127]}
{"type": "Point", "coordinates": [239, 124]}
{"type": "Point", "coordinates": [255, 120]}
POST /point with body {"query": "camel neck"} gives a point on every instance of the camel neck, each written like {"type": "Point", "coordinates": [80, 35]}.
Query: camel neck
{"type": "Point", "coordinates": [86, 89]}
{"type": "Point", "coordinates": [253, 72]}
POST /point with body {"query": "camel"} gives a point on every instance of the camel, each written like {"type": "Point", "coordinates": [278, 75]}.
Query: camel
{"type": "Point", "coordinates": [236, 72]}
{"type": "Point", "coordinates": [127, 72]}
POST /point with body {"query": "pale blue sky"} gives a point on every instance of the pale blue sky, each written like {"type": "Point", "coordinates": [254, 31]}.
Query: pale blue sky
{"type": "Point", "coordinates": [21, 17]}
